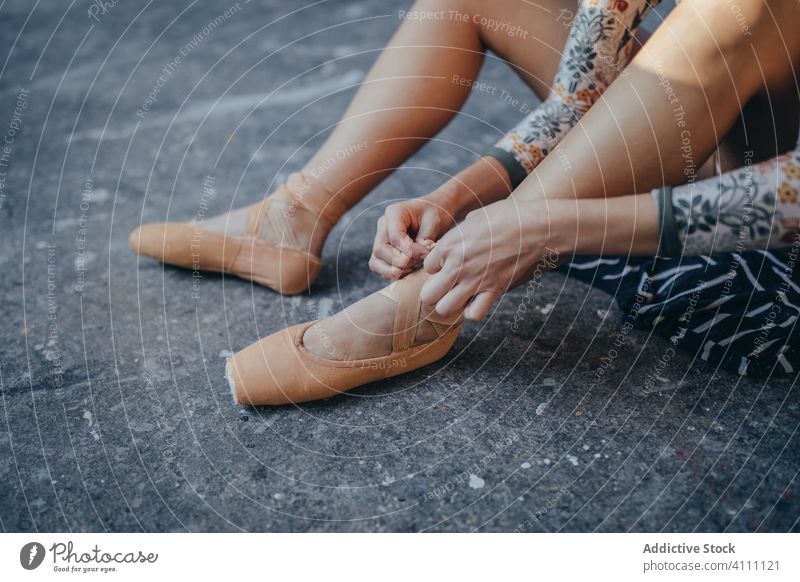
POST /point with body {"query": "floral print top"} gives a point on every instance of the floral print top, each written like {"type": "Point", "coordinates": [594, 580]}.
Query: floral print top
{"type": "Point", "coordinates": [756, 206]}
{"type": "Point", "coordinates": [753, 207]}
{"type": "Point", "coordinates": [599, 47]}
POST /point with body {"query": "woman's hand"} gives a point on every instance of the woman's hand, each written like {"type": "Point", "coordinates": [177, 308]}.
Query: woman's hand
{"type": "Point", "coordinates": [408, 229]}
{"type": "Point", "coordinates": [406, 233]}
{"type": "Point", "coordinates": [495, 249]}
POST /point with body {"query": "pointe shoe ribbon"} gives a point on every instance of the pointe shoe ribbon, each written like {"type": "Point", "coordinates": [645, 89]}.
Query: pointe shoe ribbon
{"type": "Point", "coordinates": [299, 192]}
{"type": "Point", "coordinates": [280, 370]}
{"type": "Point", "coordinates": [282, 267]}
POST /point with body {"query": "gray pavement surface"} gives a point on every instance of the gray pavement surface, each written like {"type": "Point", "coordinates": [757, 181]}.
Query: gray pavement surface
{"type": "Point", "coordinates": [114, 413]}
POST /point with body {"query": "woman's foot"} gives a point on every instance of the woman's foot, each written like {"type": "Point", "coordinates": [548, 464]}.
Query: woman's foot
{"type": "Point", "coordinates": [276, 242]}
{"type": "Point", "coordinates": [384, 335]}
{"type": "Point", "coordinates": [365, 329]}
{"type": "Point", "coordinates": [298, 229]}
{"type": "Point", "coordinates": [301, 220]}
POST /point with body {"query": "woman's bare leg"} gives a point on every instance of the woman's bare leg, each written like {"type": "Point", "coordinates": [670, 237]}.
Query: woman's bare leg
{"type": "Point", "coordinates": [681, 96]}
{"type": "Point", "coordinates": [424, 76]}
{"type": "Point", "coordinates": [417, 85]}
{"type": "Point", "coordinates": [413, 91]}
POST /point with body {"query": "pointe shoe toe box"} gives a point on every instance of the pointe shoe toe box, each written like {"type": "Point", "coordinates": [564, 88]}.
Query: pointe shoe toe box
{"type": "Point", "coordinates": [280, 370]}
{"type": "Point", "coordinates": [273, 371]}
{"type": "Point", "coordinates": [176, 243]}
{"type": "Point", "coordinates": [188, 245]}
{"type": "Point", "coordinates": [185, 244]}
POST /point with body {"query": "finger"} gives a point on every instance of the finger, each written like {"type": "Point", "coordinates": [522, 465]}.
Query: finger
{"type": "Point", "coordinates": [429, 227]}
{"type": "Point", "coordinates": [392, 256]}
{"type": "Point", "coordinates": [434, 260]}
{"type": "Point", "coordinates": [480, 305]}
{"type": "Point", "coordinates": [385, 270]}
{"type": "Point", "coordinates": [455, 300]}
{"type": "Point", "coordinates": [437, 286]}
{"type": "Point", "coordinates": [419, 251]}
{"type": "Point", "coordinates": [381, 234]}
{"type": "Point", "coordinates": [427, 244]}
{"type": "Point", "coordinates": [383, 249]}
{"type": "Point", "coordinates": [402, 260]}
{"type": "Point", "coordinates": [429, 231]}
{"type": "Point", "coordinates": [383, 253]}
{"type": "Point", "coordinates": [397, 226]}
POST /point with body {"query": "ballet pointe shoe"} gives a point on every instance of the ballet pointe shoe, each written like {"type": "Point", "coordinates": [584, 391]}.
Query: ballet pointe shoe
{"type": "Point", "coordinates": [283, 268]}
{"type": "Point", "coordinates": [279, 369]}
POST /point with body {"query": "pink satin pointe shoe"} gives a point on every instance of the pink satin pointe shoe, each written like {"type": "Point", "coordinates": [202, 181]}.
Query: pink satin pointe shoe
{"type": "Point", "coordinates": [279, 369]}
{"type": "Point", "coordinates": [283, 268]}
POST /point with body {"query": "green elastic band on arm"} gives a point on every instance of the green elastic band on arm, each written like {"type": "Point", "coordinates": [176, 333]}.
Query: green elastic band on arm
{"type": "Point", "coordinates": [516, 172]}
{"type": "Point", "coordinates": [668, 243]}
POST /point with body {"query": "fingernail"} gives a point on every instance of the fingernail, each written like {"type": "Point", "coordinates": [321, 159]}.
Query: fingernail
{"type": "Point", "coordinates": [423, 293]}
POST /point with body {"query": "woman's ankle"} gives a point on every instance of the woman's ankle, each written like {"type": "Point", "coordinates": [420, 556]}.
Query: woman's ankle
{"type": "Point", "coordinates": [362, 330]}
{"type": "Point", "coordinates": [366, 329]}
{"type": "Point", "coordinates": [312, 198]}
